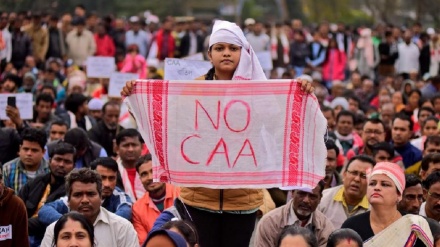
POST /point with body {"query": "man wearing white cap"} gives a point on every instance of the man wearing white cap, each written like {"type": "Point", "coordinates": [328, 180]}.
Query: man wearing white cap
{"type": "Point", "coordinates": [95, 108]}
{"type": "Point", "coordinates": [300, 211]}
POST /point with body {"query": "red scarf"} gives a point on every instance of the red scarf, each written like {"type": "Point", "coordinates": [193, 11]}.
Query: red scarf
{"type": "Point", "coordinates": [159, 41]}
{"type": "Point", "coordinates": [2, 41]}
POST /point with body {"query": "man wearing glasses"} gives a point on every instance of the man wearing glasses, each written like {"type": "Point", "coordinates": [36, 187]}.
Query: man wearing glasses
{"type": "Point", "coordinates": [431, 192]}
{"type": "Point", "coordinates": [348, 199]}
{"type": "Point", "coordinates": [412, 197]}
{"type": "Point", "coordinates": [373, 133]}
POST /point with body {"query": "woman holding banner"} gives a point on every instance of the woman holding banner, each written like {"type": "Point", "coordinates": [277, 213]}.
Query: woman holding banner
{"type": "Point", "coordinates": [225, 217]}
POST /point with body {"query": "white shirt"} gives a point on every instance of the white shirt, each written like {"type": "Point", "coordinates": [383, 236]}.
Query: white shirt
{"type": "Point", "coordinates": [110, 231]}
{"type": "Point", "coordinates": [408, 60]}
{"type": "Point", "coordinates": [7, 52]}
{"type": "Point", "coordinates": [422, 211]}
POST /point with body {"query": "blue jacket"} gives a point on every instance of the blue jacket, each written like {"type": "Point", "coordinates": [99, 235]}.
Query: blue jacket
{"type": "Point", "coordinates": [118, 203]}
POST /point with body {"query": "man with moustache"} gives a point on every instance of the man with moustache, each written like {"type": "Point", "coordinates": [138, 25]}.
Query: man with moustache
{"type": "Point", "coordinates": [84, 195]}
{"type": "Point", "coordinates": [104, 133]}
{"type": "Point", "coordinates": [113, 198]}
{"type": "Point", "coordinates": [412, 197]}
{"type": "Point", "coordinates": [47, 188]}
{"type": "Point", "coordinates": [332, 177]}
{"type": "Point", "coordinates": [159, 196]}
{"type": "Point", "coordinates": [431, 192]}
{"type": "Point", "coordinates": [348, 199]}
{"type": "Point", "coordinates": [300, 211]}
{"type": "Point", "coordinates": [372, 134]}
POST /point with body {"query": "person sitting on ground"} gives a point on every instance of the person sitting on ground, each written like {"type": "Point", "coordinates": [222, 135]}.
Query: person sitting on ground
{"type": "Point", "coordinates": [73, 229]}
{"type": "Point", "coordinates": [297, 236]}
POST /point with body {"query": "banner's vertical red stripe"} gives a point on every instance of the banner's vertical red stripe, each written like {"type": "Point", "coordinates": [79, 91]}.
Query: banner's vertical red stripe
{"type": "Point", "coordinates": [157, 102]}
{"type": "Point", "coordinates": [295, 141]}
{"type": "Point", "coordinates": [286, 140]}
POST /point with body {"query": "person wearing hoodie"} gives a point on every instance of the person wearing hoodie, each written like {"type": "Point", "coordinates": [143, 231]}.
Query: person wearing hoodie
{"type": "Point", "coordinates": [13, 218]}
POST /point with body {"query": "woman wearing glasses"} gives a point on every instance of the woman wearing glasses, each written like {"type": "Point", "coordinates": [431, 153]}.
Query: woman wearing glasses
{"type": "Point", "coordinates": [384, 225]}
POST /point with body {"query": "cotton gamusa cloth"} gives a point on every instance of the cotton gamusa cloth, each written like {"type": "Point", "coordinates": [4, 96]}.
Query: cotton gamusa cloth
{"type": "Point", "coordinates": [231, 134]}
{"type": "Point", "coordinates": [391, 170]}
{"type": "Point", "coordinates": [404, 232]}
{"type": "Point", "coordinates": [249, 67]}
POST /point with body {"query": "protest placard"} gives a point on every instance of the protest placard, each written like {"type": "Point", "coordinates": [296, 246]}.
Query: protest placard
{"type": "Point", "coordinates": [265, 59]}
{"type": "Point", "coordinates": [23, 101]}
{"type": "Point", "coordinates": [100, 67]}
{"type": "Point", "coordinates": [182, 69]}
{"type": "Point", "coordinates": [117, 82]}
{"type": "Point", "coordinates": [197, 57]}
{"type": "Point", "coordinates": [231, 134]}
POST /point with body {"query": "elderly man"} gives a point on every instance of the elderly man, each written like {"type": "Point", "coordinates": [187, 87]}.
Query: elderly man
{"type": "Point", "coordinates": [84, 194]}
{"type": "Point", "coordinates": [348, 199]}
{"type": "Point", "coordinates": [301, 211]}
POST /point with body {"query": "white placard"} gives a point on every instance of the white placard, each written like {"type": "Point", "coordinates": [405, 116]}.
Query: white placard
{"type": "Point", "coordinates": [197, 56]}
{"type": "Point", "coordinates": [100, 67]}
{"type": "Point", "coordinates": [265, 59]}
{"type": "Point", "coordinates": [24, 104]}
{"type": "Point", "coordinates": [182, 69]}
{"type": "Point", "coordinates": [117, 82]}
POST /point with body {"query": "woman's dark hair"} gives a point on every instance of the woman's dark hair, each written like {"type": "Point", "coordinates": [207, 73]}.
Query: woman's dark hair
{"type": "Point", "coordinates": [210, 74]}
{"type": "Point", "coordinates": [307, 234]}
{"type": "Point", "coordinates": [186, 228]}
{"type": "Point", "coordinates": [344, 234]}
{"type": "Point", "coordinates": [86, 225]}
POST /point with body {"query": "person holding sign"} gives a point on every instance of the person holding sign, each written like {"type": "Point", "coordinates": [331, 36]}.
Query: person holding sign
{"type": "Point", "coordinates": [225, 217]}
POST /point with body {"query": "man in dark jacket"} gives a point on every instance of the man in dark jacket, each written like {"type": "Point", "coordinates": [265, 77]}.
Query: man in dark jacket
{"type": "Point", "coordinates": [86, 150]}
{"type": "Point", "coordinates": [47, 188]}
{"type": "Point", "coordinates": [13, 218]}
{"type": "Point", "coordinates": [104, 133]}
{"type": "Point", "coordinates": [9, 144]}
{"type": "Point", "coordinates": [21, 45]}
{"type": "Point", "coordinates": [191, 42]}
{"type": "Point", "coordinates": [57, 46]}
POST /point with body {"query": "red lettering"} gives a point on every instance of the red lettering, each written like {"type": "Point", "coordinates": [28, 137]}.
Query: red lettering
{"type": "Point", "coordinates": [215, 151]}
{"type": "Point", "coordinates": [252, 153]}
{"type": "Point", "coordinates": [248, 116]}
{"type": "Point", "coordinates": [207, 114]}
{"type": "Point", "coordinates": [182, 152]}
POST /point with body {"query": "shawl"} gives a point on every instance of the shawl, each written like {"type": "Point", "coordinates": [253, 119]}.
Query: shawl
{"type": "Point", "coordinates": [366, 45]}
{"type": "Point", "coordinates": [159, 42]}
{"type": "Point", "coordinates": [2, 41]}
{"type": "Point", "coordinates": [404, 232]}
{"type": "Point", "coordinates": [73, 123]}
{"type": "Point", "coordinates": [274, 46]}
{"type": "Point", "coordinates": [138, 191]}
{"type": "Point", "coordinates": [249, 67]}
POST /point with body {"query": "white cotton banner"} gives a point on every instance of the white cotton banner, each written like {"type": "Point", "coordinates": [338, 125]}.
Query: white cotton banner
{"type": "Point", "coordinates": [231, 134]}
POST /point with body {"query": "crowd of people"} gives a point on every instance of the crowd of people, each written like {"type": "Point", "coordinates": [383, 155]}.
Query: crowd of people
{"type": "Point", "coordinates": [79, 172]}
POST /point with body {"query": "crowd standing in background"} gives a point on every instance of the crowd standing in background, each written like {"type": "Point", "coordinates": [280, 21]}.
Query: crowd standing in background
{"type": "Point", "coordinates": [378, 87]}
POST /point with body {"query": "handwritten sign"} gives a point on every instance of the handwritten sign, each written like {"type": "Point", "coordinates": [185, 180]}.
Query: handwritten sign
{"type": "Point", "coordinates": [117, 82]}
{"type": "Point", "coordinates": [265, 59]}
{"type": "Point", "coordinates": [182, 69]}
{"type": "Point", "coordinates": [5, 232]}
{"type": "Point", "coordinates": [100, 67]}
{"type": "Point", "coordinates": [219, 134]}
{"type": "Point", "coordinates": [23, 102]}
{"type": "Point", "coordinates": [197, 57]}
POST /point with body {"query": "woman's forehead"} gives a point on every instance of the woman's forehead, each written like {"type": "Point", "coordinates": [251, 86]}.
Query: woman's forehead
{"type": "Point", "coordinates": [225, 44]}
{"type": "Point", "coordinates": [381, 177]}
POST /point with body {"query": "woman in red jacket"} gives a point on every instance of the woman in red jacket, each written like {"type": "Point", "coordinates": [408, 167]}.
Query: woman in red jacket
{"type": "Point", "coordinates": [334, 66]}
{"type": "Point", "coordinates": [105, 46]}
